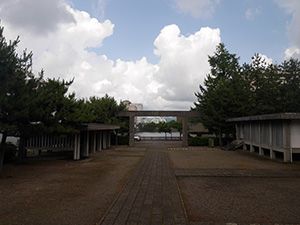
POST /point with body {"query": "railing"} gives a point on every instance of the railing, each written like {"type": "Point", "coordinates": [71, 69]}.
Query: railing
{"type": "Point", "coordinates": [50, 142]}
{"type": "Point", "coordinates": [161, 138]}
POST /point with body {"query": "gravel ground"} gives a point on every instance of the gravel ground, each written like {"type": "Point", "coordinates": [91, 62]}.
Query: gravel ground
{"type": "Point", "coordinates": [216, 158]}
{"type": "Point", "coordinates": [236, 199]}
{"type": "Point", "coordinates": [241, 200]}
{"type": "Point", "coordinates": [58, 190]}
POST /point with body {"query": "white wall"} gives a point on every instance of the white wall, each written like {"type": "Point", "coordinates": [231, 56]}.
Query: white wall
{"type": "Point", "coordinates": [295, 133]}
{"type": "Point", "coordinates": [10, 139]}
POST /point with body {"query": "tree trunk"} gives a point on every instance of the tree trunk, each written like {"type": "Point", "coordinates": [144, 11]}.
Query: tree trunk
{"type": "Point", "coordinates": [22, 150]}
{"type": "Point", "coordinates": [220, 139]}
{"type": "Point", "coordinates": [2, 150]}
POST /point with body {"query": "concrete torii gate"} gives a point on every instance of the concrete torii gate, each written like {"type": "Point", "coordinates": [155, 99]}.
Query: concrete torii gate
{"type": "Point", "coordinates": [184, 115]}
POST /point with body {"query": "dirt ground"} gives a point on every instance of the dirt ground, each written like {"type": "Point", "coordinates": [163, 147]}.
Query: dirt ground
{"type": "Point", "coordinates": [57, 190]}
{"type": "Point", "coordinates": [215, 158]}
{"type": "Point", "coordinates": [237, 199]}
{"type": "Point", "coordinates": [54, 189]}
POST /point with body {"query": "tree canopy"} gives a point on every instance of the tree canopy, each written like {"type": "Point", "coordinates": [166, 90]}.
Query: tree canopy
{"type": "Point", "coordinates": [232, 90]}
{"type": "Point", "coordinates": [31, 104]}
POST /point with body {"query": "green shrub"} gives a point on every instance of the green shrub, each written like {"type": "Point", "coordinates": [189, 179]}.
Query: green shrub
{"type": "Point", "coordinates": [216, 141]}
{"type": "Point", "coordinates": [123, 140]}
{"type": "Point", "coordinates": [225, 141]}
{"type": "Point", "coordinates": [10, 152]}
{"type": "Point", "coordinates": [198, 141]}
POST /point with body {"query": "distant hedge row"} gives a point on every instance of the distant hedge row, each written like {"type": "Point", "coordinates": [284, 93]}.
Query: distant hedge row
{"type": "Point", "coordinates": [198, 141]}
{"type": "Point", "coordinates": [203, 141]}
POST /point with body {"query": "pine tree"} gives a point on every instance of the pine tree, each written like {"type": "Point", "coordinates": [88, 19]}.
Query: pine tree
{"type": "Point", "coordinates": [225, 93]}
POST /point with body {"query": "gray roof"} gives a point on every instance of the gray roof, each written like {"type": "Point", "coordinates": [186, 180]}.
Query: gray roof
{"type": "Point", "coordinates": [98, 126]}
{"type": "Point", "coordinates": [278, 116]}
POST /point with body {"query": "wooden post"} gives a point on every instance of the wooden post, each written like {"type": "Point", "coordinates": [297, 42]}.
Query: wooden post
{"type": "Point", "coordinates": [131, 131]}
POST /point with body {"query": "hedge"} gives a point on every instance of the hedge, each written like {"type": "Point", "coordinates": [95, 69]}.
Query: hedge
{"type": "Point", "coordinates": [123, 140]}
{"type": "Point", "coordinates": [198, 141]}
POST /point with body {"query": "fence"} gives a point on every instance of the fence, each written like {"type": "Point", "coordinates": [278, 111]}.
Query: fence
{"type": "Point", "coordinates": [161, 138]}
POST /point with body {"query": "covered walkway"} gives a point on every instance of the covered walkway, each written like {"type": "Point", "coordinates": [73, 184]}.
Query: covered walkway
{"type": "Point", "coordinates": [92, 137]}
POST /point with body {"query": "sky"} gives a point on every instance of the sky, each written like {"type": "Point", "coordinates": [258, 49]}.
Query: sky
{"type": "Point", "coordinates": [150, 52]}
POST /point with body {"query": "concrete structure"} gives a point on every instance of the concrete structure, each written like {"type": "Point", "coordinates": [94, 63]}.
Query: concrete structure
{"type": "Point", "coordinates": [184, 115]}
{"type": "Point", "coordinates": [273, 135]}
{"type": "Point", "coordinates": [91, 138]}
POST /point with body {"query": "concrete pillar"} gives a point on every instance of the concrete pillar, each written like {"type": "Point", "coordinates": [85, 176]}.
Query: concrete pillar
{"type": "Point", "coordinates": [131, 131]}
{"type": "Point", "coordinates": [237, 131]}
{"type": "Point", "coordinates": [261, 152]}
{"type": "Point", "coordinates": [87, 144]}
{"type": "Point", "coordinates": [76, 155]}
{"type": "Point", "coordinates": [75, 147]}
{"type": "Point", "coordinates": [94, 142]}
{"type": "Point", "coordinates": [287, 156]}
{"type": "Point", "coordinates": [100, 141]}
{"type": "Point", "coordinates": [287, 152]}
{"type": "Point", "coordinates": [116, 140]}
{"type": "Point", "coordinates": [185, 142]}
{"type": "Point", "coordinates": [108, 139]}
{"type": "Point", "coordinates": [272, 153]}
{"type": "Point", "coordinates": [251, 146]}
{"type": "Point", "coordinates": [104, 138]}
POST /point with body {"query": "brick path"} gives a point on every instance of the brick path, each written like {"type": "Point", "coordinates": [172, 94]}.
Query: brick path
{"type": "Point", "coordinates": [151, 195]}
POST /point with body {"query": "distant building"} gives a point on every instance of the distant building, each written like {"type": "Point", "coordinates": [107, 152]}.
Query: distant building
{"type": "Point", "coordinates": [134, 107]}
{"type": "Point", "coordinates": [158, 120]}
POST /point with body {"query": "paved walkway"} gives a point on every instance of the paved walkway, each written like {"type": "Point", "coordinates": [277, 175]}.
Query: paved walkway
{"type": "Point", "coordinates": [151, 195]}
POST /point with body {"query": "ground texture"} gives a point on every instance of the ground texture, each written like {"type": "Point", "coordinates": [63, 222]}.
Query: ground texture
{"type": "Point", "coordinates": [220, 187]}
{"type": "Point", "coordinates": [54, 189]}
{"type": "Point", "coordinates": [152, 183]}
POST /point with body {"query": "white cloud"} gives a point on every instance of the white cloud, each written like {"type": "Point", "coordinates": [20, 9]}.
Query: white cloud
{"type": "Point", "coordinates": [197, 8]}
{"type": "Point", "coordinates": [183, 63]}
{"type": "Point", "coordinates": [99, 8]}
{"type": "Point", "coordinates": [170, 84]}
{"type": "Point", "coordinates": [292, 7]}
{"type": "Point", "coordinates": [292, 52]}
{"type": "Point", "coordinates": [40, 17]}
{"type": "Point", "coordinates": [252, 13]}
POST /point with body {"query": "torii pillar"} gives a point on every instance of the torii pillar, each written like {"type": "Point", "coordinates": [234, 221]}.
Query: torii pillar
{"type": "Point", "coordinates": [131, 130]}
{"type": "Point", "coordinates": [185, 141]}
